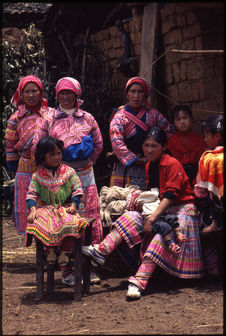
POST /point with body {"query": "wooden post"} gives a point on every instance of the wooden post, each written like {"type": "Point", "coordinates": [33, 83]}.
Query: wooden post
{"type": "Point", "coordinates": [148, 44]}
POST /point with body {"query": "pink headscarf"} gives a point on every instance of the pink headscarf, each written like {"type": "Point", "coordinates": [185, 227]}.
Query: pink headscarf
{"type": "Point", "coordinates": [17, 97]}
{"type": "Point", "coordinates": [69, 83]}
{"type": "Point", "coordinates": [143, 83]}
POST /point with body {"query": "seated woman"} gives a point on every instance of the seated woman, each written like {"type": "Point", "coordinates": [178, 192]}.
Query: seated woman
{"type": "Point", "coordinates": [176, 198]}
{"type": "Point", "coordinates": [53, 198]}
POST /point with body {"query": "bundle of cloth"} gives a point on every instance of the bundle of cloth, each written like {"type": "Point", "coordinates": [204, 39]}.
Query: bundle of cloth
{"type": "Point", "coordinates": [113, 202]}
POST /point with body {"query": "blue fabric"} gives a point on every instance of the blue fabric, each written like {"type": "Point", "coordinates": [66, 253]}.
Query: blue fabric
{"type": "Point", "coordinates": [12, 165]}
{"type": "Point", "coordinates": [30, 203]}
{"type": "Point", "coordinates": [76, 200]}
{"type": "Point", "coordinates": [79, 151]}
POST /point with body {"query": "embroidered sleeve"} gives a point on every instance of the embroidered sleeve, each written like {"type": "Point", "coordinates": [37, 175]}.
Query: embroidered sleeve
{"type": "Point", "coordinates": [117, 128]}
{"type": "Point", "coordinates": [76, 186]}
{"type": "Point", "coordinates": [97, 141]}
{"type": "Point", "coordinates": [12, 138]}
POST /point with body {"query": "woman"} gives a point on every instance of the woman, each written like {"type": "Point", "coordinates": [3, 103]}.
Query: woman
{"type": "Point", "coordinates": [176, 198]}
{"type": "Point", "coordinates": [128, 129]}
{"type": "Point", "coordinates": [83, 143]}
{"type": "Point", "coordinates": [31, 109]}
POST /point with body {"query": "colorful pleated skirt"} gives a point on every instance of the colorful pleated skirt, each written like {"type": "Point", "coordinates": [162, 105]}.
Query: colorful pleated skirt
{"type": "Point", "coordinates": [53, 224]}
{"type": "Point", "coordinates": [188, 264]}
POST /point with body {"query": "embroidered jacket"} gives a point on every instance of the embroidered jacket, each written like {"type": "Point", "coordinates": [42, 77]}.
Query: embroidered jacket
{"type": "Point", "coordinates": [71, 129]}
{"type": "Point", "coordinates": [46, 189]}
{"type": "Point", "coordinates": [20, 131]}
{"type": "Point", "coordinates": [120, 122]}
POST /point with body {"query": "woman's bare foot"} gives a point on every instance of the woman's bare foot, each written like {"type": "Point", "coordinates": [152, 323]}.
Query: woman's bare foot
{"type": "Point", "coordinates": [211, 228]}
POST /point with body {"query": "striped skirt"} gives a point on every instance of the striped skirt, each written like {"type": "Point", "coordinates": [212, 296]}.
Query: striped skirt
{"type": "Point", "coordinates": [188, 264]}
{"type": "Point", "coordinates": [53, 224]}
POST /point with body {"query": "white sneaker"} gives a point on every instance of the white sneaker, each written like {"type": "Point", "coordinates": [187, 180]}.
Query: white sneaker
{"type": "Point", "coordinates": [69, 279]}
{"type": "Point", "coordinates": [133, 292]}
{"type": "Point", "coordinates": [90, 251]}
{"type": "Point", "coordinates": [94, 279]}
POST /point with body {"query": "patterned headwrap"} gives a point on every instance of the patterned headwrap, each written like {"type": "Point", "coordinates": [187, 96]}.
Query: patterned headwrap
{"type": "Point", "coordinates": [143, 83]}
{"type": "Point", "coordinates": [69, 83]}
{"type": "Point", "coordinates": [17, 97]}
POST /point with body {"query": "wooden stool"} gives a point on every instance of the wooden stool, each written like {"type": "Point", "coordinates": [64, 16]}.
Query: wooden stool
{"type": "Point", "coordinates": [81, 269]}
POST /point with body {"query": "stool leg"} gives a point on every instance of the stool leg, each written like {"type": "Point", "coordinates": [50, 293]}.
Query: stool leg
{"type": "Point", "coordinates": [86, 266]}
{"type": "Point", "coordinates": [39, 269]}
{"type": "Point", "coordinates": [77, 269]}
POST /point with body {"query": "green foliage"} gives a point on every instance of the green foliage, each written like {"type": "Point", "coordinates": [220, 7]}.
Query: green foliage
{"type": "Point", "coordinates": [21, 59]}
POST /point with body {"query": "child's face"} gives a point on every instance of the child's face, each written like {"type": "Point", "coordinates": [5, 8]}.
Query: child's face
{"type": "Point", "coordinates": [152, 149]}
{"type": "Point", "coordinates": [182, 121]}
{"type": "Point", "coordinates": [212, 140]}
{"type": "Point", "coordinates": [53, 159]}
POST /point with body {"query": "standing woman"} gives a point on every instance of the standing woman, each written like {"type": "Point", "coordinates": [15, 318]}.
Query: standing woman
{"type": "Point", "coordinates": [31, 109]}
{"type": "Point", "coordinates": [83, 143]}
{"type": "Point", "coordinates": [128, 129]}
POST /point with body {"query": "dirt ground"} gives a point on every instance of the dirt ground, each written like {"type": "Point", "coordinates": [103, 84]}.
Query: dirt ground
{"type": "Point", "coordinates": [170, 306]}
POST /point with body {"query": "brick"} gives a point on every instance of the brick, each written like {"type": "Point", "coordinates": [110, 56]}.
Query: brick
{"type": "Point", "coordinates": [183, 70]}
{"type": "Point", "coordinates": [176, 72]}
{"type": "Point", "coordinates": [191, 31]}
{"type": "Point", "coordinates": [172, 92]}
{"type": "Point", "coordinates": [174, 36]}
{"type": "Point", "coordinates": [167, 9]}
{"type": "Point", "coordinates": [191, 18]}
{"type": "Point", "coordinates": [169, 74]}
{"type": "Point", "coordinates": [195, 68]}
{"type": "Point", "coordinates": [198, 43]}
{"type": "Point", "coordinates": [180, 20]}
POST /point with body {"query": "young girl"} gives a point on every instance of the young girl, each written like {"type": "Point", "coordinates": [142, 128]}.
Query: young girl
{"type": "Point", "coordinates": [186, 145]}
{"type": "Point", "coordinates": [210, 178]}
{"type": "Point", "coordinates": [53, 198]}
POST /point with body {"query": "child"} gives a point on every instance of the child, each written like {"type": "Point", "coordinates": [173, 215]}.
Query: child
{"type": "Point", "coordinates": [147, 202]}
{"type": "Point", "coordinates": [185, 144]}
{"type": "Point", "coordinates": [53, 198]}
{"type": "Point", "coordinates": [210, 178]}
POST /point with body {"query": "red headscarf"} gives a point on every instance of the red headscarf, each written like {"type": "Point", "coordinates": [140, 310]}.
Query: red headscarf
{"type": "Point", "coordinates": [17, 97]}
{"type": "Point", "coordinates": [69, 83]}
{"type": "Point", "coordinates": [143, 83]}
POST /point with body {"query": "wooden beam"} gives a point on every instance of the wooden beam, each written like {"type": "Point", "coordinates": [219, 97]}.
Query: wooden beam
{"type": "Point", "coordinates": [198, 51]}
{"type": "Point", "coordinates": [148, 42]}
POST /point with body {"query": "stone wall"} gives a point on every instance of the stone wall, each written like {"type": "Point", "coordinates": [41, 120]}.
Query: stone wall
{"type": "Point", "coordinates": [189, 78]}
{"type": "Point", "coordinates": [111, 47]}
{"type": "Point", "coordinates": [182, 78]}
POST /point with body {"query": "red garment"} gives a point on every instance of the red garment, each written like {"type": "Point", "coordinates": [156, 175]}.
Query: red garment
{"type": "Point", "coordinates": [172, 177]}
{"type": "Point", "coordinates": [186, 147]}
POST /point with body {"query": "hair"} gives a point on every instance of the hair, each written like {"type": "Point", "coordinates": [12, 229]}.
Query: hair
{"type": "Point", "coordinates": [158, 134]}
{"type": "Point", "coordinates": [179, 108]}
{"type": "Point", "coordinates": [213, 124]}
{"type": "Point", "coordinates": [46, 145]}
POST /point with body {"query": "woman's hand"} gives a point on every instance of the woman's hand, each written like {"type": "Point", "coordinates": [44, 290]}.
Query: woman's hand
{"type": "Point", "coordinates": [148, 226]}
{"type": "Point", "coordinates": [72, 209]}
{"type": "Point", "coordinates": [32, 214]}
